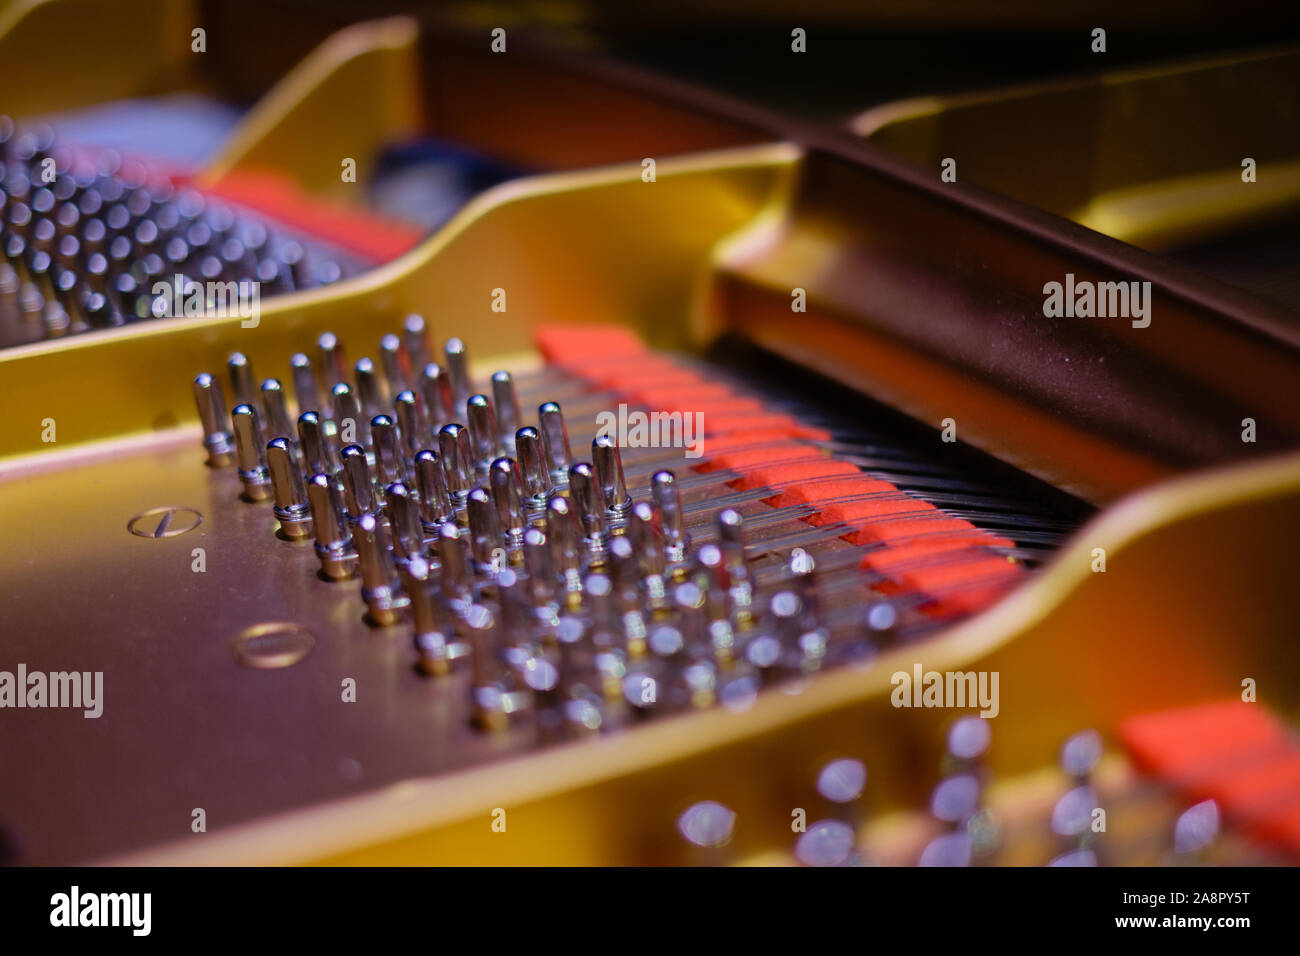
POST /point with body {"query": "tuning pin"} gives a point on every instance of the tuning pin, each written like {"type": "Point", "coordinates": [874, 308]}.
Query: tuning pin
{"type": "Point", "coordinates": [626, 572]}
{"type": "Point", "coordinates": [645, 537]}
{"type": "Point", "coordinates": [1075, 858]}
{"type": "Point", "coordinates": [217, 437]}
{"type": "Point", "coordinates": [431, 484]}
{"type": "Point", "coordinates": [1080, 754]}
{"type": "Point", "coordinates": [290, 495]}
{"type": "Point", "coordinates": [455, 570]}
{"type": "Point", "coordinates": [357, 483]}
{"type": "Point", "coordinates": [390, 463]}
{"type": "Point", "coordinates": [613, 486]}
{"type": "Point", "coordinates": [370, 390]}
{"type": "Point", "coordinates": [458, 369]}
{"type": "Point", "coordinates": [948, 849]}
{"type": "Point", "coordinates": [436, 390]}
{"type": "Point", "coordinates": [484, 532]}
{"type": "Point", "coordinates": [404, 519]}
{"type": "Point", "coordinates": [555, 443]}
{"type": "Point", "coordinates": [764, 652]}
{"type": "Point", "coordinates": [333, 543]}
{"type": "Point", "coordinates": [541, 571]}
{"type": "Point", "coordinates": [881, 619]}
{"type": "Point", "coordinates": [277, 410]}
{"type": "Point", "coordinates": [410, 423]}
{"type": "Point", "coordinates": [598, 590]}
{"type": "Point", "coordinates": [532, 465]}
{"type": "Point", "coordinates": [969, 739]}
{"type": "Point", "coordinates": [505, 481]}
{"type": "Point", "coordinates": [482, 431]}
{"type": "Point", "coordinates": [841, 784]}
{"type": "Point", "coordinates": [415, 341]}
{"type": "Point", "coordinates": [333, 362]}
{"type": "Point", "coordinates": [493, 702]}
{"type": "Point", "coordinates": [457, 461]}
{"type": "Point", "coordinates": [1195, 830]}
{"type": "Point", "coordinates": [317, 450]}
{"type": "Point", "coordinates": [1073, 814]}
{"type": "Point", "coordinates": [516, 620]}
{"type": "Point", "coordinates": [393, 363]}
{"type": "Point", "coordinates": [732, 544]}
{"type": "Point", "coordinates": [827, 843]}
{"type": "Point", "coordinates": [435, 629]}
{"type": "Point", "coordinates": [505, 400]}
{"type": "Point", "coordinates": [306, 391]}
{"type": "Point", "coordinates": [242, 383]}
{"type": "Point", "coordinates": [380, 588]}
{"type": "Point", "coordinates": [251, 446]}
{"type": "Point", "coordinates": [707, 827]}
{"type": "Point", "coordinates": [668, 512]}
{"type": "Point", "coordinates": [564, 531]}
{"type": "Point", "coordinates": [349, 421]}
{"type": "Point", "coordinates": [957, 799]}
{"type": "Point", "coordinates": [585, 493]}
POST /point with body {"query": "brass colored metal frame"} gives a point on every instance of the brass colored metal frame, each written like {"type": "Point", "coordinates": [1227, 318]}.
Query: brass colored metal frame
{"type": "Point", "coordinates": [654, 237]}
{"type": "Point", "coordinates": [1156, 153]}
{"type": "Point", "coordinates": [1187, 562]}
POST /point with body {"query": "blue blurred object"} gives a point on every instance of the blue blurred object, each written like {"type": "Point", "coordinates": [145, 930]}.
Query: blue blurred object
{"type": "Point", "coordinates": [426, 181]}
{"type": "Point", "coordinates": [182, 130]}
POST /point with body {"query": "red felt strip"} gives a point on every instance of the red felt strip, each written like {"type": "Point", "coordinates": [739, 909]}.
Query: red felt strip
{"type": "Point", "coordinates": [742, 436]}
{"type": "Point", "coordinates": [360, 231]}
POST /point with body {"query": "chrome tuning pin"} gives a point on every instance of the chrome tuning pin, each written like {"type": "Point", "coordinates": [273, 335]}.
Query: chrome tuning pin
{"type": "Point", "coordinates": [390, 462]}
{"type": "Point", "coordinates": [505, 400]}
{"type": "Point", "coordinates": [585, 494]}
{"type": "Point", "coordinates": [316, 446]}
{"type": "Point", "coordinates": [338, 560]}
{"type": "Point", "coordinates": [435, 627]}
{"type": "Point", "coordinates": [555, 443]}
{"type": "Point", "coordinates": [457, 462]}
{"type": "Point", "coordinates": [1076, 811]}
{"type": "Point", "coordinates": [431, 485]}
{"type": "Point", "coordinates": [380, 587]}
{"type": "Point", "coordinates": [834, 841]}
{"type": "Point", "coordinates": [439, 398]}
{"type": "Point", "coordinates": [956, 801]}
{"type": "Point", "coordinates": [494, 698]}
{"type": "Point", "coordinates": [277, 411]}
{"type": "Point", "coordinates": [242, 384]}
{"type": "Point", "coordinates": [333, 360]}
{"type": "Point", "coordinates": [217, 437]}
{"type": "Point", "coordinates": [370, 388]}
{"type": "Point", "coordinates": [505, 480]}
{"type": "Point", "coordinates": [415, 341]}
{"type": "Point", "coordinates": [667, 499]}
{"type": "Point", "coordinates": [251, 446]}
{"type": "Point", "coordinates": [358, 485]}
{"type": "Point", "coordinates": [532, 465]}
{"type": "Point", "coordinates": [290, 494]}
{"type": "Point", "coordinates": [613, 486]}
{"type": "Point", "coordinates": [306, 390]}
{"type": "Point", "coordinates": [404, 519]}
{"type": "Point", "coordinates": [483, 432]}
{"type": "Point", "coordinates": [458, 370]}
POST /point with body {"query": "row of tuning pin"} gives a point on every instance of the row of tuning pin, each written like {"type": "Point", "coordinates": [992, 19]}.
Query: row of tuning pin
{"type": "Point", "coordinates": [564, 593]}
{"type": "Point", "coordinates": [1076, 822]}
{"type": "Point", "coordinates": [84, 250]}
{"type": "Point", "coordinates": [970, 832]}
